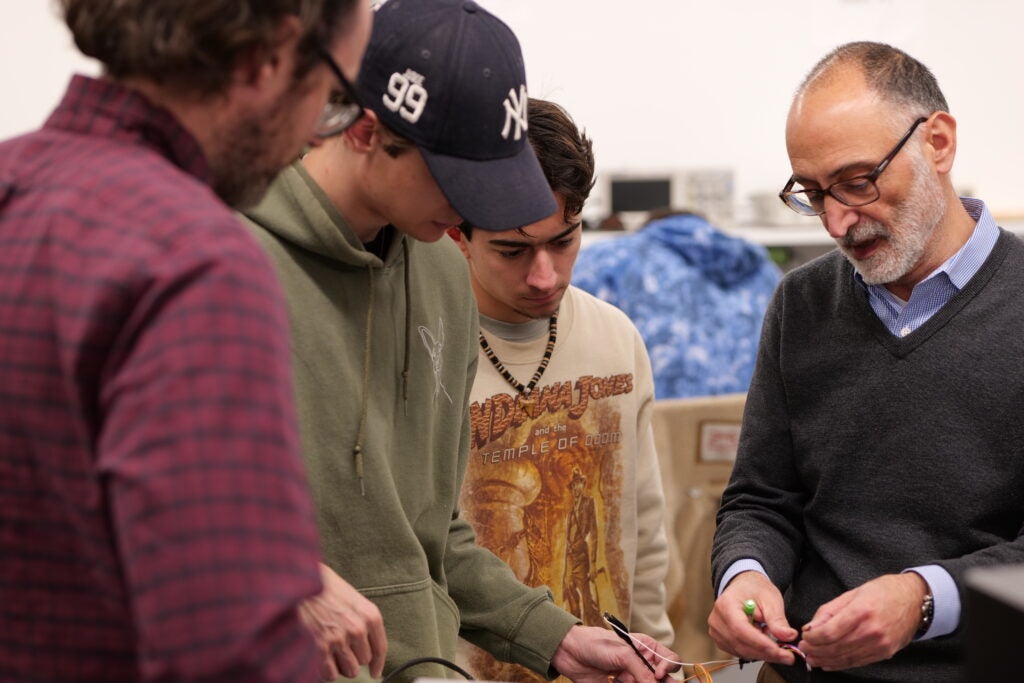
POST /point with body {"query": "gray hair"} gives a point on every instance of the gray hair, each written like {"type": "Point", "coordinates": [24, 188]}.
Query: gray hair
{"type": "Point", "coordinates": [888, 71]}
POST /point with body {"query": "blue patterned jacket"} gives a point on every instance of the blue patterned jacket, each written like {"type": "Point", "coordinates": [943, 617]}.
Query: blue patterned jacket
{"type": "Point", "coordinates": [697, 296]}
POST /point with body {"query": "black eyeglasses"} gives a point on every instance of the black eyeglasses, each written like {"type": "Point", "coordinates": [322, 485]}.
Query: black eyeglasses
{"type": "Point", "coordinates": [342, 108]}
{"type": "Point", "coordinates": [858, 191]}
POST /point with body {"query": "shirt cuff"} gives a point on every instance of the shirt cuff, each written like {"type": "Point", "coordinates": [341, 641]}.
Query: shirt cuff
{"type": "Point", "coordinates": [946, 614]}
{"type": "Point", "coordinates": [738, 566]}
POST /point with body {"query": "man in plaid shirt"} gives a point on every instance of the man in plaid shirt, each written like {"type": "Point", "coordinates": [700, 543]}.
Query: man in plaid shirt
{"type": "Point", "coordinates": [155, 522]}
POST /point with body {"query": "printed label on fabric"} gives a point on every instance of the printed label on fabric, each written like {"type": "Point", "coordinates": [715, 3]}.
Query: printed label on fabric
{"type": "Point", "coordinates": [719, 441]}
{"type": "Point", "coordinates": [544, 492]}
{"type": "Point", "coordinates": [491, 419]}
{"type": "Point", "coordinates": [406, 95]}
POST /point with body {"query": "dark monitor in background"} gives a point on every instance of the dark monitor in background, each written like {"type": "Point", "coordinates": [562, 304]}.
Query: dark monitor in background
{"type": "Point", "coordinates": [993, 623]}
{"type": "Point", "coordinates": [640, 194]}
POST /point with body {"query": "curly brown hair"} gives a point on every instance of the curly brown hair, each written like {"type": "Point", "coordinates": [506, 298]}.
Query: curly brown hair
{"type": "Point", "coordinates": [194, 45]}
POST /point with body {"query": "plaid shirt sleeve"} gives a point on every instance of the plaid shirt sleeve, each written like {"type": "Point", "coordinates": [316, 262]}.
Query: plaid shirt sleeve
{"type": "Point", "coordinates": [208, 500]}
{"type": "Point", "coordinates": [155, 519]}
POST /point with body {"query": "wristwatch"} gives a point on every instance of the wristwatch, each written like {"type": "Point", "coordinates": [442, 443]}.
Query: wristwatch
{"type": "Point", "coordinates": [927, 612]}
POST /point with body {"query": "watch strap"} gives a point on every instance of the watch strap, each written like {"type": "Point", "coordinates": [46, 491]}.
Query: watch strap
{"type": "Point", "coordinates": [927, 614]}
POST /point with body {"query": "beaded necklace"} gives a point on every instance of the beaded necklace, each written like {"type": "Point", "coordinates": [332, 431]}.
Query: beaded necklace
{"type": "Point", "coordinates": [503, 371]}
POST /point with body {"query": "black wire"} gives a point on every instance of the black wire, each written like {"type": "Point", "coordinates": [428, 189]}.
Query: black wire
{"type": "Point", "coordinates": [426, 660]}
{"type": "Point", "coordinates": [622, 632]}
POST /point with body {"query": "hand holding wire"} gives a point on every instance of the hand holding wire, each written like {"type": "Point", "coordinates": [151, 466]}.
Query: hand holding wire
{"type": "Point", "coordinates": [749, 607]}
{"type": "Point", "coordinates": [622, 632]}
{"type": "Point", "coordinates": [590, 654]}
{"type": "Point", "coordinates": [701, 670]}
{"type": "Point", "coordinates": [735, 624]}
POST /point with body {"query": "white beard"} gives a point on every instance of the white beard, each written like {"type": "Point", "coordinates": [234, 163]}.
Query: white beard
{"type": "Point", "coordinates": [907, 236]}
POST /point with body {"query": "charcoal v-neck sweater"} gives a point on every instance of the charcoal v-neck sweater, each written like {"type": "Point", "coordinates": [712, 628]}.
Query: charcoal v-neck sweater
{"type": "Point", "coordinates": [864, 454]}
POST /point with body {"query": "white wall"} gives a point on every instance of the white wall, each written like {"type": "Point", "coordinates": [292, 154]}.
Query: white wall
{"type": "Point", "coordinates": [38, 57]}
{"type": "Point", "coordinates": [663, 84]}
{"type": "Point", "coordinates": [666, 83]}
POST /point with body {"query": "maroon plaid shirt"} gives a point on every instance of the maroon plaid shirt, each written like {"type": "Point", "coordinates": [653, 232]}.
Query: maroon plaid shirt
{"type": "Point", "coordinates": [155, 522]}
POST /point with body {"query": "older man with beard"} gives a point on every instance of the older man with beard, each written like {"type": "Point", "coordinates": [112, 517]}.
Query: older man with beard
{"type": "Point", "coordinates": [881, 452]}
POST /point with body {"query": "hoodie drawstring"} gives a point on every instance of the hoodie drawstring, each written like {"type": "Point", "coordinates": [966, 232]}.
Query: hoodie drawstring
{"type": "Point", "coordinates": [408, 327]}
{"type": "Point", "coordinates": [357, 450]}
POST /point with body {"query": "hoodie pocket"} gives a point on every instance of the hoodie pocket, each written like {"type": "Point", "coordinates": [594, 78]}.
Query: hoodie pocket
{"type": "Point", "coordinates": [421, 620]}
{"type": "Point", "coordinates": [445, 604]}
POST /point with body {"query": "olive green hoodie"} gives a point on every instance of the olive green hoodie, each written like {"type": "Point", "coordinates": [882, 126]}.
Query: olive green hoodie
{"type": "Point", "coordinates": [386, 450]}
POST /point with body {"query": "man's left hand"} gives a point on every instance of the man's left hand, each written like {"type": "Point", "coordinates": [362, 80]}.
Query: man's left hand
{"type": "Point", "coordinates": [865, 625]}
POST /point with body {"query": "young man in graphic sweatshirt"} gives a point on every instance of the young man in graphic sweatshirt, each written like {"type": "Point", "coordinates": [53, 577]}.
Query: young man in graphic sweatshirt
{"type": "Point", "coordinates": [563, 481]}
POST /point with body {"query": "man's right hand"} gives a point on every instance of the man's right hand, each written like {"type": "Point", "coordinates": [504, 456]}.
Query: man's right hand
{"type": "Point", "coordinates": [730, 627]}
{"type": "Point", "coordinates": [348, 628]}
{"type": "Point", "coordinates": [589, 654]}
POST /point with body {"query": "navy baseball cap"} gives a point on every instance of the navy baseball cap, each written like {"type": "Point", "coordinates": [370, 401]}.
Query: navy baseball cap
{"type": "Point", "coordinates": [449, 76]}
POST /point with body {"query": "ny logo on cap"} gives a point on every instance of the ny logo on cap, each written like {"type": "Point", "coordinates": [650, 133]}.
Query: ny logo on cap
{"type": "Point", "coordinates": [515, 111]}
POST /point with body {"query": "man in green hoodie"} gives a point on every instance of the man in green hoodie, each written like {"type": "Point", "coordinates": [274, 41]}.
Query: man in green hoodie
{"type": "Point", "coordinates": [384, 346]}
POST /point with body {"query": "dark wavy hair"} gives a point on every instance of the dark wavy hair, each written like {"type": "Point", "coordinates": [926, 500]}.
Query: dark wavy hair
{"type": "Point", "coordinates": [193, 45]}
{"type": "Point", "coordinates": [565, 153]}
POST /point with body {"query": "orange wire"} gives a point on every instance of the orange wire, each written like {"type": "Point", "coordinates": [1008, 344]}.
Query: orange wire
{"type": "Point", "coordinates": [702, 674]}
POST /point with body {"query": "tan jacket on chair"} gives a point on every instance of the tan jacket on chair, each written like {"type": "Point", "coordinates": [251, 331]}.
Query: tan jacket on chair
{"type": "Point", "coordinates": [696, 440]}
